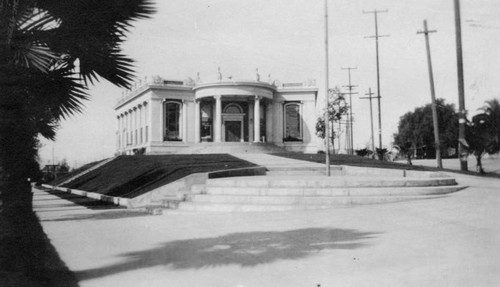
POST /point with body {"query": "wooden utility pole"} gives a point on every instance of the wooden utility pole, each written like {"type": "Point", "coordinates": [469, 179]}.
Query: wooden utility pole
{"type": "Point", "coordinates": [349, 125]}
{"type": "Point", "coordinates": [327, 94]}
{"type": "Point", "coordinates": [375, 13]}
{"type": "Point", "coordinates": [370, 94]}
{"type": "Point", "coordinates": [462, 144]}
{"type": "Point", "coordinates": [435, 122]}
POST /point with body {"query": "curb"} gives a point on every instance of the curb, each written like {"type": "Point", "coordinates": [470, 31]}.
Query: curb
{"type": "Point", "coordinates": [121, 201]}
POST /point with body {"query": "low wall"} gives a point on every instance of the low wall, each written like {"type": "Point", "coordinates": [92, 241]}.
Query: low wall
{"type": "Point", "coordinates": [94, 195]}
{"type": "Point", "coordinates": [174, 190]}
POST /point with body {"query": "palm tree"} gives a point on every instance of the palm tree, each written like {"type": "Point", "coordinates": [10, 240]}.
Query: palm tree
{"type": "Point", "coordinates": [483, 132]}
{"type": "Point", "coordinates": [49, 51]}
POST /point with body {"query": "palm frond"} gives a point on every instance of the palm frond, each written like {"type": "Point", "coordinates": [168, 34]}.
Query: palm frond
{"type": "Point", "coordinates": [92, 31]}
{"type": "Point", "coordinates": [26, 48]}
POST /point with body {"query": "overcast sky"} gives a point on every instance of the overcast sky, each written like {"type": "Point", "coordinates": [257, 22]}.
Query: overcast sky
{"type": "Point", "coordinates": [285, 38]}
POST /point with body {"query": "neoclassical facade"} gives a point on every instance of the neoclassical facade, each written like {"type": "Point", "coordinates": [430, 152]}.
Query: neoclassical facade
{"type": "Point", "coordinates": [167, 116]}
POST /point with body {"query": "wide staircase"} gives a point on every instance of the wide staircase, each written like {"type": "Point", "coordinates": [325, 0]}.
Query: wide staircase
{"type": "Point", "coordinates": [233, 148]}
{"type": "Point", "coordinates": [297, 185]}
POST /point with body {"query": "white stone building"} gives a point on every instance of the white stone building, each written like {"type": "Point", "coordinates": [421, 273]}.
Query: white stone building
{"type": "Point", "coordinates": [165, 116]}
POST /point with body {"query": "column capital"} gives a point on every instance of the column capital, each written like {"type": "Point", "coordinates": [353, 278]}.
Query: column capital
{"type": "Point", "coordinates": [217, 97]}
{"type": "Point", "coordinates": [258, 98]}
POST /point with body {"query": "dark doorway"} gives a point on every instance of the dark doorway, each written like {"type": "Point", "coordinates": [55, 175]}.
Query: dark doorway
{"type": "Point", "coordinates": [233, 131]}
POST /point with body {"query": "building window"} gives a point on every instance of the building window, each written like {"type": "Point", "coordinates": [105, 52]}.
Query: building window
{"type": "Point", "coordinates": [233, 109]}
{"type": "Point", "coordinates": [172, 121]}
{"type": "Point", "coordinates": [293, 122]}
{"type": "Point", "coordinates": [206, 121]}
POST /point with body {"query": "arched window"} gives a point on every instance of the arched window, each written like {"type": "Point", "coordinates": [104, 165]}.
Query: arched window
{"type": "Point", "coordinates": [172, 121]}
{"type": "Point", "coordinates": [292, 122]}
{"type": "Point", "coordinates": [233, 109]}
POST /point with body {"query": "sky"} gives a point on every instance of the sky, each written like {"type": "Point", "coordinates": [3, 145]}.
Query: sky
{"type": "Point", "coordinates": [285, 38]}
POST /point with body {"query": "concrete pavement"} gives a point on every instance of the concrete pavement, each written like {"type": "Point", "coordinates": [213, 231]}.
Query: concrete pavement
{"type": "Point", "coordinates": [451, 241]}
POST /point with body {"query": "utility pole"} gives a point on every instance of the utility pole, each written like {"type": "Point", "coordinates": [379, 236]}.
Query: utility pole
{"type": "Point", "coordinates": [375, 13]}
{"type": "Point", "coordinates": [327, 94]}
{"type": "Point", "coordinates": [350, 129]}
{"type": "Point", "coordinates": [370, 94]}
{"type": "Point", "coordinates": [435, 122]}
{"type": "Point", "coordinates": [462, 144]}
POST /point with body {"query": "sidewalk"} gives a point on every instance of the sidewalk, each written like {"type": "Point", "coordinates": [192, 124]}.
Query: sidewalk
{"type": "Point", "coordinates": [451, 241]}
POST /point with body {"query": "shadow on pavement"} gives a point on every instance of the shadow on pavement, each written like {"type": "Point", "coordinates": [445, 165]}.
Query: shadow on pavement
{"type": "Point", "coordinates": [244, 249]}
{"type": "Point", "coordinates": [118, 214]}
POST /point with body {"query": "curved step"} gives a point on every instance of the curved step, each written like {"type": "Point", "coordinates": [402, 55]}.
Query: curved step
{"type": "Point", "coordinates": [357, 195]}
{"type": "Point", "coordinates": [331, 191]}
{"type": "Point", "coordinates": [327, 182]}
{"type": "Point", "coordinates": [249, 207]}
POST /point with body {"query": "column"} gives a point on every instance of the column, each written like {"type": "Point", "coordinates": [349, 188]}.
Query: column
{"type": "Point", "coordinates": [147, 126]}
{"type": "Point", "coordinates": [218, 119]}
{"type": "Point", "coordinates": [184, 121]}
{"type": "Point", "coordinates": [250, 122]}
{"type": "Point", "coordinates": [256, 119]}
{"type": "Point", "coordinates": [278, 122]}
{"type": "Point", "coordinates": [156, 120]}
{"type": "Point", "coordinates": [134, 131]}
{"type": "Point", "coordinates": [269, 122]}
{"type": "Point", "coordinates": [197, 123]}
{"type": "Point", "coordinates": [129, 128]}
{"type": "Point", "coordinates": [118, 133]}
{"type": "Point", "coordinates": [124, 130]}
{"type": "Point", "coordinates": [141, 137]}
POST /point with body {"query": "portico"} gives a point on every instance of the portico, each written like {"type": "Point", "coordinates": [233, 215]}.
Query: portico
{"type": "Point", "coordinates": [234, 104]}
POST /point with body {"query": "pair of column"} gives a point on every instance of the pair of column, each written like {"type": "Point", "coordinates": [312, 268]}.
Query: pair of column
{"type": "Point", "coordinates": [218, 119]}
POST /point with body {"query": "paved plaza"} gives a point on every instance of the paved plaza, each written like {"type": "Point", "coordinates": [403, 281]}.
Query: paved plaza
{"type": "Point", "coordinates": [449, 241]}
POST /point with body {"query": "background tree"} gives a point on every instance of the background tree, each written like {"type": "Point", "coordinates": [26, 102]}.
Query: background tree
{"type": "Point", "coordinates": [483, 132]}
{"type": "Point", "coordinates": [337, 108]}
{"type": "Point", "coordinates": [49, 51]}
{"type": "Point", "coordinates": [417, 128]}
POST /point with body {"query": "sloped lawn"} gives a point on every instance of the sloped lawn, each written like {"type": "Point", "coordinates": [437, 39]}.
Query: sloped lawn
{"type": "Point", "coordinates": [131, 176]}
{"type": "Point", "coordinates": [74, 172]}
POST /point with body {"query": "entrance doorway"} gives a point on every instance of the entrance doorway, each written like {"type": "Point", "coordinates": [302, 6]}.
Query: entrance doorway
{"type": "Point", "coordinates": [233, 123]}
{"type": "Point", "coordinates": [233, 131]}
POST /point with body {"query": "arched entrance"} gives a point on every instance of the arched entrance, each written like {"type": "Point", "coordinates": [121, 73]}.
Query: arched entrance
{"type": "Point", "coordinates": [232, 123]}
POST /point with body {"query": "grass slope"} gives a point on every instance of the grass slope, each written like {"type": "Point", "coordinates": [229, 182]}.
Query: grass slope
{"type": "Point", "coordinates": [131, 176]}
{"type": "Point", "coordinates": [74, 172]}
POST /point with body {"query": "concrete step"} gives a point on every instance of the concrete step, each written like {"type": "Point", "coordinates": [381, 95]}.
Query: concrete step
{"type": "Point", "coordinates": [298, 205]}
{"type": "Point", "coordinates": [332, 191]}
{"type": "Point", "coordinates": [316, 182]}
{"type": "Point", "coordinates": [368, 197]}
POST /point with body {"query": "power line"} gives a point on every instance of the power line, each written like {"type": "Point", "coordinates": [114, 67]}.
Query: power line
{"type": "Point", "coordinates": [375, 13]}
